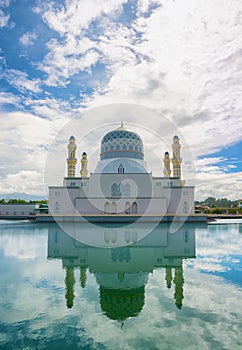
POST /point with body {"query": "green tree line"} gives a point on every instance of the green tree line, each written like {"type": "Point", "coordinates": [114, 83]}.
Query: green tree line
{"type": "Point", "coordinates": [213, 202]}
{"type": "Point", "coordinates": [22, 201]}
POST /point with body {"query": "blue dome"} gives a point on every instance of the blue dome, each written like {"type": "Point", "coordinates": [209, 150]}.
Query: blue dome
{"type": "Point", "coordinates": [121, 143]}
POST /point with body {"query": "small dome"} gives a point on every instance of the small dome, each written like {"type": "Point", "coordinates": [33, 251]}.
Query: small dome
{"type": "Point", "coordinates": [72, 138]}
{"type": "Point", "coordinates": [166, 153]}
{"type": "Point", "coordinates": [175, 137]}
{"type": "Point", "coordinates": [84, 154]}
{"type": "Point", "coordinates": [121, 143]}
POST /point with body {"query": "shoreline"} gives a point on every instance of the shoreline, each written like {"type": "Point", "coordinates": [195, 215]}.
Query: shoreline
{"type": "Point", "coordinates": [122, 218]}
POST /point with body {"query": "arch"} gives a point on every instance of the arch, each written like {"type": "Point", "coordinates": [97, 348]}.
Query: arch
{"type": "Point", "coordinates": [114, 208]}
{"type": "Point", "coordinates": [126, 190]}
{"type": "Point", "coordinates": [121, 169]}
{"type": "Point", "coordinates": [115, 190]}
{"type": "Point", "coordinates": [107, 208]}
{"type": "Point", "coordinates": [127, 208]}
{"type": "Point", "coordinates": [134, 208]}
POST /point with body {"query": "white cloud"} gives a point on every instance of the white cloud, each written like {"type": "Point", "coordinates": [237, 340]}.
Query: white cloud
{"type": "Point", "coordinates": [76, 15]}
{"type": "Point", "coordinates": [209, 161]}
{"type": "Point", "coordinates": [25, 139]}
{"type": "Point", "coordinates": [216, 183]}
{"type": "Point", "coordinates": [180, 58]}
{"type": "Point", "coordinates": [213, 178]}
{"type": "Point", "coordinates": [21, 81]}
{"type": "Point", "coordinates": [28, 39]}
{"type": "Point", "coordinates": [25, 181]}
{"type": "Point", "coordinates": [60, 68]}
{"type": "Point", "coordinates": [144, 5]}
{"type": "Point", "coordinates": [3, 19]}
{"type": "Point", "coordinates": [74, 52]}
{"type": "Point", "coordinates": [8, 98]}
{"type": "Point", "coordinates": [17, 248]}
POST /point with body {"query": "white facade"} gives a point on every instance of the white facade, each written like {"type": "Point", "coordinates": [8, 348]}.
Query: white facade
{"type": "Point", "coordinates": [122, 184]}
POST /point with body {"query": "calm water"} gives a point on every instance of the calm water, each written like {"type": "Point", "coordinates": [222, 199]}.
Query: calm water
{"type": "Point", "coordinates": [166, 291]}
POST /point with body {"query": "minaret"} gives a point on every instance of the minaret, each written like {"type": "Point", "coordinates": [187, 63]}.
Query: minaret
{"type": "Point", "coordinates": [176, 160]}
{"type": "Point", "coordinates": [167, 165]}
{"type": "Point", "coordinates": [71, 160]}
{"type": "Point", "coordinates": [84, 171]}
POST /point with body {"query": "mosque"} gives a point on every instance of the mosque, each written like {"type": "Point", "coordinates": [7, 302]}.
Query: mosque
{"type": "Point", "coordinates": [121, 184]}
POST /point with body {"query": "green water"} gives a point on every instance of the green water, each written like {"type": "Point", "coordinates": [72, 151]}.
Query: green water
{"type": "Point", "coordinates": [179, 290]}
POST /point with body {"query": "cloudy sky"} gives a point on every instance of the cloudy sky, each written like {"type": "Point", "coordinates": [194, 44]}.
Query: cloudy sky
{"type": "Point", "coordinates": [180, 58]}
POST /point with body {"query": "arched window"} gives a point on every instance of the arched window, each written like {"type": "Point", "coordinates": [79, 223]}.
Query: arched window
{"type": "Point", "coordinates": [134, 208]}
{"type": "Point", "coordinates": [107, 208]}
{"type": "Point", "coordinates": [121, 169]}
{"type": "Point", "coordinates": [114, 208]}
{"type": "Point", "coordinates": [115, 190]}
{"type": "Point", "coordinates": [126, 190]}
{"type": "Point", "coordinates": [127, 208]}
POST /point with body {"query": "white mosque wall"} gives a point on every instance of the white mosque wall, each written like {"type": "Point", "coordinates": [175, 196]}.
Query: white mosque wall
{"type": "Point", "coordinates": [137, 185]}
{"type": "Point", "coordinates": [62, 200]}
{"type": "Point", "coordinates": [159, 183]}
{"type": "Point", "coordinates": [91, 200]}
{"type": "Point", "coordinates": [80, 182]}
{"type": "Point", "coordinates": [180, 200]}
{"type": "Point", "coordinates": [126, 205]}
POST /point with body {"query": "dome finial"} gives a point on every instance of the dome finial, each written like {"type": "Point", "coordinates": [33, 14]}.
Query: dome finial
{"type": "Point", "coordinates": [122, 123]}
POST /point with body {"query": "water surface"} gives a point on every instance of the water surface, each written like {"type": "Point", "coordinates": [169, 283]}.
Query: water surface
{"type": "Point", "coordinates": [165, 291]}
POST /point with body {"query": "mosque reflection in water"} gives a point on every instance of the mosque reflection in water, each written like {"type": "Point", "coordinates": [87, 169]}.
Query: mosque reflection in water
{"type": "Point", "coordinates": [122, 272]}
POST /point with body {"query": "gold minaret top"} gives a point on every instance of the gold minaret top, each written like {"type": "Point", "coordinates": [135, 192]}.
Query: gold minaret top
{"type": "Point", "coordinates": [84, 161]}
{"type": "Point", "coordinates": [167, 165]}
{"type": "Point", "coordinates": [71, 160]}
{"type": "Point", "coordinates": [176, 160]}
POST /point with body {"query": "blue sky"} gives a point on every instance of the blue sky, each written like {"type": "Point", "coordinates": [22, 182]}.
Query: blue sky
{"type": "Point", "coordinates": [180, 58]}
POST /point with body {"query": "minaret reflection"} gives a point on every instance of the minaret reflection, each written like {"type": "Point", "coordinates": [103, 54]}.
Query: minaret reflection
{"type": "Point", "coordinates": [179, 281]}
{"type": "Point", "coordinates": [83, 276]}
{"type": "Point", "coordinates": [168, 277]}
{"type": "Point", "coordinates": [122, 273]}
{"type": "Point", "coordinates": [69, 282]}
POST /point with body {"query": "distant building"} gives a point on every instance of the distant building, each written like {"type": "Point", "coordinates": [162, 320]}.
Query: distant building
{"type": "Point", "coordinates": [239, 203]}
{"type": "Point", "coordinates": [121, 183]}
{"type": "Point", "coordinates": [21, 211]}
{"type": "Point", "coordinates": [17, 210]}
